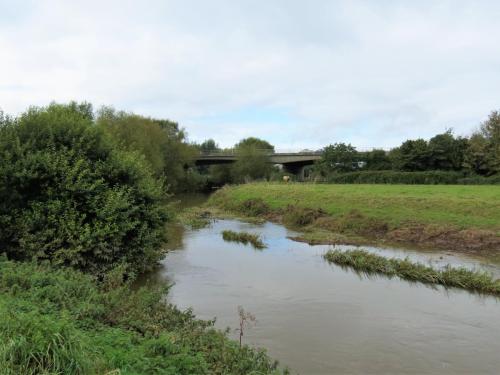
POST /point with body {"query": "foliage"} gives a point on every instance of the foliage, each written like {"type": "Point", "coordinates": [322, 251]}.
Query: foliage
{"type": "Point", "coordinates": [252, 163]}
{"type": "Point", "coordinates": [447, 152]}
{"type": "Point", "coordinates": [339, 157]}
{"type": "Point", "coordinates": [377, 160]}
{"type": "Point", "coordinates": [57, 321]}
{"type": "Point", "coordinates": [244, 238]}
{"type": "Point", "coordinates": [161, 142]}
{"type": "Point", "coordinates": [255, 143]}
{"type": "Point", "coordinates": [67, 194]}
{"type": "Point", "coordinates": [209, 146]}
{"type": "Point", "coordinates": [490, 130]}
{"type": "Point", "coordinates": [478, 154]}
{"type": "Point", "coordinates": [412, 155]}
{"type": "Point", "coordinates": [397, 177]}
{"type": "Point", "coordinates": [477, 157]}
{"type": "Point", "coordinates": [220, 174]}
{"type": "Point", "coordinates": [371, 263]}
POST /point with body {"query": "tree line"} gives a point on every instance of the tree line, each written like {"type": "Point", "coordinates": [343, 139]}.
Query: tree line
{"type": "Point", "coordinates": [87, 188]}
{"type": "Point", "coordinates": [478, 154]}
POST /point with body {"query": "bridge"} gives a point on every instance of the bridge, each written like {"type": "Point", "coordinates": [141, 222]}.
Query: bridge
{"type": "Point", "coordinates": [292, 162]}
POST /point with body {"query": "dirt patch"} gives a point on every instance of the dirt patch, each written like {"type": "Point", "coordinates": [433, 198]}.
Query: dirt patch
{"type": "Point", "coordinates": [301, 216]}
{"type": "Point", "coordinates": [354, 223]}
{"type": "Point", "coordinates": [469, 240]}
{"type": "Point", "coordinates": [254, 207]}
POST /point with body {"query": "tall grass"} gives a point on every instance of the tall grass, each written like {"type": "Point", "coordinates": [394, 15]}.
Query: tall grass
{"type": "Point", "coordinates": [244, 238]}
{"type": "Point", "coordinates": [369, 263]}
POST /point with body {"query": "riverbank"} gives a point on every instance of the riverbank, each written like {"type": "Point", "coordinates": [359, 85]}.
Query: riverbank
{"type": "Point", "coordinates": [455, 218]}
{"type": "Point", "coordinates": [58, 321]}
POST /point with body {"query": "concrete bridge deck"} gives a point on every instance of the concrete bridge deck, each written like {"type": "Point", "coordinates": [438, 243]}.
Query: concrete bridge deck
{"type": "Point", "coordinates": [291, 162]}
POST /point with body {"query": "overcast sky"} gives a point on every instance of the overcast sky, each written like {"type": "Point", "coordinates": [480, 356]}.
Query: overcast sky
{"type": "Point", "coordinates": [300, 74]}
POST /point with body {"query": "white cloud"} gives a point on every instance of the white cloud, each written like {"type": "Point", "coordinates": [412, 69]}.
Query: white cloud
{"type": "Point", "coordinates": [370, 73]}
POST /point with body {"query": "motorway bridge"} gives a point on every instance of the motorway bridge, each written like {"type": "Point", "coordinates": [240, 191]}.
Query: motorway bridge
{"type": "Point", "coordinates": [291, 162]}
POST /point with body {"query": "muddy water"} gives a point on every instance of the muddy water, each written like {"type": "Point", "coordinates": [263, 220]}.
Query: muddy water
{"type": "Point", "coordinates": [317, 318]}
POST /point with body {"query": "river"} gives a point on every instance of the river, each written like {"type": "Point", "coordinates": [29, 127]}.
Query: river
{"type": "Point", "coordinates": [318, 318]}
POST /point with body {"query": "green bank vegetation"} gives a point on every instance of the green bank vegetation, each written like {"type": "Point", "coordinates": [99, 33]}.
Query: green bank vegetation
{"type": "Point", "coordinates": [60, 321]}
{"type": "Point", "coordinates": [412, 178]}
{"type": "Point", "coordinates": [451, 217]}
{"type": "Point", "coordinates": [369, 263]}
{"type": "Point", "coordinates": [244, 238]}
{"type": "Point", "coordinates": [82, 212]}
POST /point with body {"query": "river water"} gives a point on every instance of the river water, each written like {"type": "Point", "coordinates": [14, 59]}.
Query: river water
{"type": "Point", "coordinates": [318, 318]}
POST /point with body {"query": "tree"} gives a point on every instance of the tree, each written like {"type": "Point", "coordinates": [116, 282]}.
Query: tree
{"type": "Point", "coordinates": [477, 155]}
{"type": "Point", "coordinates": [412, 155]}
{"type": "Point", "coordinates": [253, 160]}
{"type": "Point", "coordinates": [446, 152]}
{"type": "Point", "coordinates": [339, 157]}
{"type": "Point", "coordinates": [209, 146]}
{"type": "Point", "coordinates": [377, 160]}
{"type": "Point", "coordinates": [161, 142]}
{"type": "Point", "coordinates": [252, 164]}
{"type": "Point", "coordinates": [490, 130]}
{"type": "Point", "coordinates": [69, 195]}
{"type": "Point", "coordinates": [256, 143]}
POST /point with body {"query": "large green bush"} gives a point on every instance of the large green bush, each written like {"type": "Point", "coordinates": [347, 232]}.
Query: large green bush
{"type": "Point", "coordinates": [67, 194]}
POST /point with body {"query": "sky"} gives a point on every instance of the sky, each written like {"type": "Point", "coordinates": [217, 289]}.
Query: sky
{"type": "Point", "coordinates": [300, 74]}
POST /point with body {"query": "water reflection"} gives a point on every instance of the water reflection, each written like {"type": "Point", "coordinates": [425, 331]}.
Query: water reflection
{"type": "Point", "coordinates": [320, 319]}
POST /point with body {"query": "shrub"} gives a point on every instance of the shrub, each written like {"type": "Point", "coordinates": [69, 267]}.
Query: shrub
{"type": "Point", "coordinates": [396, 177]}
{"type": "Point", "coordinates": [69, 196]}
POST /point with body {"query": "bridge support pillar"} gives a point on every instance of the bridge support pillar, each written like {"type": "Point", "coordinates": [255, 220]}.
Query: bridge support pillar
{"type": "Point", "coordinates": [297, 170]}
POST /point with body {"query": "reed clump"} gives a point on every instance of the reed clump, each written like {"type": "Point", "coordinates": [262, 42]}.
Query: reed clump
{"type": "Point", "coordinates": [369, 263]}
{"type": "Point", "coordinates": [244, 238]}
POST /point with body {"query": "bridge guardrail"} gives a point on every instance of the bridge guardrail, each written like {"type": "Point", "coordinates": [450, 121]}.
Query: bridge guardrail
{"type": "Point", "coordinates": [233, 152]}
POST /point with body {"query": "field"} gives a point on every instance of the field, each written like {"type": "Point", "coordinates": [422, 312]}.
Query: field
{"type": "Point", "coordinates": [448, 216]}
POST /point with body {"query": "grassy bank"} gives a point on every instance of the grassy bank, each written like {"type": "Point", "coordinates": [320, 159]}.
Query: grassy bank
{"type": "Point", "coordinates": [244, 238]}
{"type": "Point", "coordinates": [369, 263]}
{"type": "Point", "coordinates": [451, 217]}
{"type": "Point", "coordinates": [60, 321]}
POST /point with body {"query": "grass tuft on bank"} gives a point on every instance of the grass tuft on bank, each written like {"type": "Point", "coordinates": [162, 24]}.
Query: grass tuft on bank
{"type": "Point", "coordinates": [244, 238]}
{"type": "Point", "coordinates": [369, 263]}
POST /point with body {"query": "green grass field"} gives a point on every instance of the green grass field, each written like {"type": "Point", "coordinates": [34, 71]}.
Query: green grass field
{"type": "Point", "coordinates": [446, 205]}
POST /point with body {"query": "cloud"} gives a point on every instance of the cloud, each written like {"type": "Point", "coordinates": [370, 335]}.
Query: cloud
{"type": "Point", "coordinates": [298, 74]}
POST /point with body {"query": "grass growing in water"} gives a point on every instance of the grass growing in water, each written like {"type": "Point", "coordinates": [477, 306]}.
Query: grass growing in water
{"type": "Point", "coordinates": [244, 238]}
{"type": "Point", "coordinates": [370, 263]}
